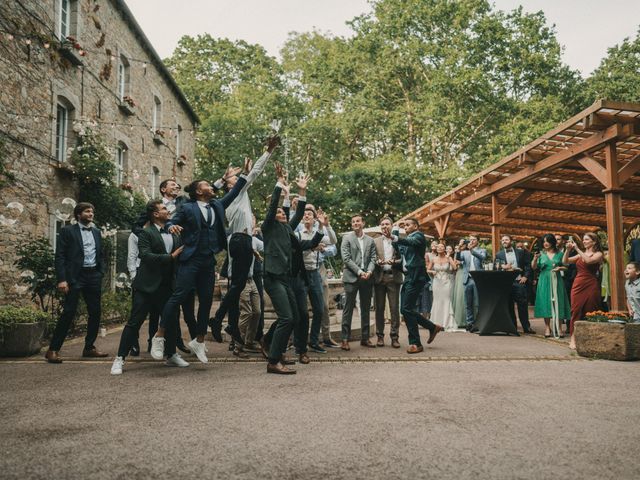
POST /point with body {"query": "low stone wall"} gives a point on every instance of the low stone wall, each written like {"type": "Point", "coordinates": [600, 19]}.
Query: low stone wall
{"type": "Point", "coordinates": [609, 341]}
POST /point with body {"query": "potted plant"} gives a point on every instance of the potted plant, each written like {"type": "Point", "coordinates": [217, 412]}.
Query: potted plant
{"type": "Point", "coordinates": [71, 49]}
{"type": "Point", "coordinates": [608, 335]}
{"type": "Point", "coordinates": [127, 105]}
{"type": "Point", "coordinates": [21, 329]}
{"type": "Point", "coordinates": [158, 137]}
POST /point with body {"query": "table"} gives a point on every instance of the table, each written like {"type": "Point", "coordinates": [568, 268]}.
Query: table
{"type": "Point", "coordinates": [494, 290]}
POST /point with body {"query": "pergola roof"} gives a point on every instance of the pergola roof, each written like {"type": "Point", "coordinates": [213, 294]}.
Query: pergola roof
{"type": "Point", "coordinates": [555, 184]}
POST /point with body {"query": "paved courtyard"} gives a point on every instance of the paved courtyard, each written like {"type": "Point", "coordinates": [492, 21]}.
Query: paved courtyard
{"type": "Point", "coordinates": [468, 407]}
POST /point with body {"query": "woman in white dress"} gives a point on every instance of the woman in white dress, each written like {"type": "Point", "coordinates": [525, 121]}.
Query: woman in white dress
{"type": "Point", "coordinates": [443, 268]}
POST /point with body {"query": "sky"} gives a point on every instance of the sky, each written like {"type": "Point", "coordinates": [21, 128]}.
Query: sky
{"type": "Point", "coordinates": [586, 28]}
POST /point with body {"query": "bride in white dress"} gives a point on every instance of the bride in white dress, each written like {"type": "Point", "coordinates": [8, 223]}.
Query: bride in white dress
{"type": "Point", "coordinates": [443, 268]}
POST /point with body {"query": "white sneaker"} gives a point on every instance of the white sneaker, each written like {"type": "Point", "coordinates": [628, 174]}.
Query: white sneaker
{"type": "Point", "coordinates": [116, 368]}
{"type": "Point", "coordinates": [157, 348]}
{"type": "Point", "coordinates": [199, 349]}
{"type": "Point", "coordinates": [176, 360]}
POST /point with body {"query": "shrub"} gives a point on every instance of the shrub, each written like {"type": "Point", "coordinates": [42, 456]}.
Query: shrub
{"type": "Point", "coordinates": [10, 316]}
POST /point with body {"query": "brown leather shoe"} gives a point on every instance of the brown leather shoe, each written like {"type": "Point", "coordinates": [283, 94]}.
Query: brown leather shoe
{"type": "Point", "coordinates": [415, 349]}
{"type": "Point", "coordinates": [279, 368]}
{"type": "Point", "coordinates": [380, 342]}
{"type": "Point", "coordinates": [395, 343]}
{"type": "Point", "coordinates": [286, 361]}
{"type": "Point", "coordinates": [433, 334]}
{"type": "Point", "coordinates": [345, 346]}
{"type": "Point", "coordinates": [93, 353]}
{"type": "Point", "coordinates": [52, 357]}
{"type": "Point", "coordinates": [240, 353]}
{"type": "Point", "coordinates": [368, 344]}
{"type": "Point", "coordinates": [304, 359]}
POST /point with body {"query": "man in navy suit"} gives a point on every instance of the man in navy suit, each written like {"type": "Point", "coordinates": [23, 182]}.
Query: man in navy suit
{"type": "Point", "coordinates": [201, 222]}
{"type": "Point", "coordinates": [79, 270]}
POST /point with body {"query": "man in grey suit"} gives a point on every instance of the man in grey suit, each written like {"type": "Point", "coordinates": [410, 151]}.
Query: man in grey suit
{"type": "Point", "coordinates": [471, 260]}
{"type": "Point", "coordinates": [359, 256]}
{"type": "Point", "coordinates": [387, 279]}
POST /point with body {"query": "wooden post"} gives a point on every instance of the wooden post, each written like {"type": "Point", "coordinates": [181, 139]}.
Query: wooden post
{"type": "Point", "coordinates": [613, 204]}
{"type": "Point", "coordinates": [495, 224]}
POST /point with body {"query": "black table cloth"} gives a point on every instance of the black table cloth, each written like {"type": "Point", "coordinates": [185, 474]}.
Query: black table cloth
{"type": "Point", "coordinates": [494, 289]}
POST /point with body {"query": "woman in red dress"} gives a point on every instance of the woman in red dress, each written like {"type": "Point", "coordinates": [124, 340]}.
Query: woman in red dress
{"type": "Point", "coordinates": [586, 290]}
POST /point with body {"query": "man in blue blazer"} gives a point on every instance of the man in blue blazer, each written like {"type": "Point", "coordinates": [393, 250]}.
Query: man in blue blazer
{"type": "Point", "coordinates": [201, 224]}
{"type": "Point", "coordinates": [471, 260]}
{"type": "Point", "coordinates": [79, 271]}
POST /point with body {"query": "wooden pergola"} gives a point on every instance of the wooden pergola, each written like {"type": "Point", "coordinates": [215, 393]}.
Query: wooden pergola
{"type": "Point", "coordinates": [582, 176]}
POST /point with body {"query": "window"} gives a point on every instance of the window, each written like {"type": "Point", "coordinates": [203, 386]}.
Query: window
{"type": "Point", "coordinates": [157, 114]}
{"type": "Point", "coordinates": [123, 77]}
{"type": "Point", "coordinates": [64, 26]}
{"type": "Point", "coordinates": [121, 162]}
{"type": "Point", "coordinates": [56, 226]}
{"type": "Point", "coordinates": [155, 181]}
{"type": "Point", "coordinates": [62, 128]}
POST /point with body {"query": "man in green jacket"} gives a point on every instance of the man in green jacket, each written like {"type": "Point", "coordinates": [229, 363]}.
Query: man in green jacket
{"type": "Point", "coordinates": [415, 245]}
{"type": "Point", "coordinates": [158, 251]}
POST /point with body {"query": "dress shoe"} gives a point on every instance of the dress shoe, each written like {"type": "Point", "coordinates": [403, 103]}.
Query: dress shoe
{"type": "Point", "coordinates": [304, 359]}
{"type": "Point", "coordinates": [183, 348]}
{"type": "Point", "coordinates": [252, 348]}
{"type": "Point", "coordinates": [93, 353]}
{"type": "Point", "coordinates": [235, 334]}
{"type": "Point", "coordinates": [279, 368]}
{"type": "Point", "coordinates": [395, 343]}
{"type": "Point", "coordinates": [530, 331]}
{"type": "Point", "coordinates": [380, 342]}
{"type": "Point", "coordinates": [415, 349]}
{"type": "Point", "coordinates": [240, 353]}
{"type": "Point", "coordinates": [52, 357]}
{"type": "Point", "coordinates": [345, 346]}
{"type": "Point", "coordinates": [216, 329]}
{"type": "Point", "coordinates": [315, 347]}
{"type": "Point", "coordinates": [433, 333]}
{"type": "Point", "coordinates": [286, 361]}
{"type": "Point", "coordinates": [329, 343]}
{"type": "Point", "coordinates": [367, 344]}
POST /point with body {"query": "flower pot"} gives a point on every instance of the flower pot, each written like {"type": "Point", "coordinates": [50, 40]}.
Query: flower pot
{"type": "Point", "coordinates": [158, 139]}
{"type": "Point", "coordinates": [126, 108]}
{"type": "Point", "coordinates": [22, 339]}
{"type": "Point", "coordinates": [610, 341]}
{"type": "Point", "coordinates": [68, 51]}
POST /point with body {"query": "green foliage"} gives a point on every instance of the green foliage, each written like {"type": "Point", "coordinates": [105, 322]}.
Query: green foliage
{"type": "Point", "coordinates": [617, 76]}
{"type": "Point", "coordinates": [10, 316]}
{"type": "Point", "coordinates": [36, 262]}
{"type": "Point", "coordinates": [96, 174]}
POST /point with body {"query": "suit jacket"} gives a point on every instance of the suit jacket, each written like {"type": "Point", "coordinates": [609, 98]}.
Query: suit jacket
{"type": "Point", "coordinates": [396, 268]}
{"type": "Point", "coordinates": [70, 253]}
{"type": "Point", "coordinates": [523, 259]}
{"type": "Point", "coordinates": [142, 219]}
{"type": "Point", "coordinates": [635, 251]}
{"type": "Point", "coordinates": [157, 267]}
{"type": "Point", "coordinates": [353, 257]}
{"type": "Point", "coordinates": [413, 248]}
{"type": "Point", "coordinates": [278, 237]}
{"type": "Point", "coordinates": [477, 256]}
{"type": "Point", "coordinates": [189, 217]}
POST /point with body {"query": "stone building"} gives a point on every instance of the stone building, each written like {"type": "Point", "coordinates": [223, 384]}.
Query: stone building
{"type": "Point", "coordinates": [64, 61]}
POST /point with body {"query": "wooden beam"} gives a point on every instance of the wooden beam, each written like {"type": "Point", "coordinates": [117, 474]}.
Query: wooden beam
{"type": "Point", "coordinates": [578, 190]}
{"type": "Point", "coordinates": [495, 224]}
{"type": "Point", "coordinates": [594, 167]}
{"type": "Point", "coordinates": [629, 170]}
{"type": "Point", "coordinates": [551, 219]}
{"type": "Point", "coordinates": [555, 160]}
{"type": "Point", "coordinates": [614, 229]}
{"type": "Point", "coordinates": [515, 203]}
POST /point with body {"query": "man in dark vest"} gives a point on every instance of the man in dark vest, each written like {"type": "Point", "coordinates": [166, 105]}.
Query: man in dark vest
{"type": "Point", "coordinates": [152, 286]}
{"type": "Point", "coordinates": [201, 222]}
{"type": "Point", "coordinates": [79, 270]}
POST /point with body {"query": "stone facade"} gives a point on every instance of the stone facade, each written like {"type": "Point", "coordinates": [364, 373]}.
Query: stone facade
{"type": "Point", "coordinates": [42, 83]}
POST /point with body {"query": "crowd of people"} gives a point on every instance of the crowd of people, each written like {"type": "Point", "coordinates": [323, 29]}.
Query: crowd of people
{"type": "Point", "coordinates": [172, 259]}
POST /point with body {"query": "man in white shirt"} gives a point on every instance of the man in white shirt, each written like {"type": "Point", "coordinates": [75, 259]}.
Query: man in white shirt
{"type": "Point", "coordinates": [240, 218]}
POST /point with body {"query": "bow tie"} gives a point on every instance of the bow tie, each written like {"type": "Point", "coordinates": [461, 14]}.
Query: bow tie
{"type": "Point", "coordinates": [86, 229]}
{"type": "Point", "coordinates": [164, 230]}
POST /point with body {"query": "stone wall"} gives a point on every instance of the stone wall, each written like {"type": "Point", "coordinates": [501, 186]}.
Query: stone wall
{"type": "Point", "coordinates": [35, 76]}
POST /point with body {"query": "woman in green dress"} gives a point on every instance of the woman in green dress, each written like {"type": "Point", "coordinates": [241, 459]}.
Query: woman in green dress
{"type": "Point", "coordinates": [552, 302]}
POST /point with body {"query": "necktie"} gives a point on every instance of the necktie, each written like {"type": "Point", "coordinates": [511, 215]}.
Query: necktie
{"type": "Point", "coordinates": [209, 214]}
